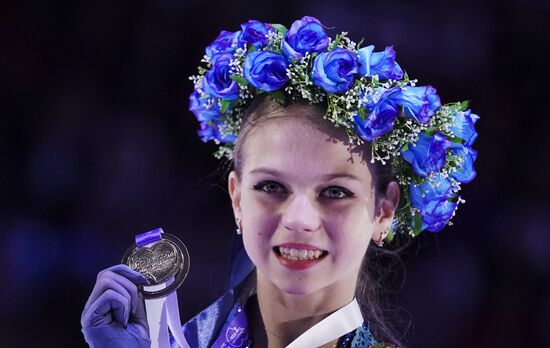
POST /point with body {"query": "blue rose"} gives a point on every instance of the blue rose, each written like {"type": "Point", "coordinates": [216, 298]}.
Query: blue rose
{"type": "Point", "coordinates": [305, 35]}
{"type": "Point", "coordinates": [204, 109]}
{"type": "Point", "coordinates": [382, 64]}
{"type": "Point", "coordinates": [225, 42]}
{"type": "Point", "coordinates": [333, 71]}
{"type": "Point", "coordinates": [217, 81]}
{"type": "Point", "coordinates": [265, 70]}
{"type": "Point", "coordinates": [466, 172]}
{"type": "Point", "coordinates": [418, 103]}
{"type": "Point", "coordinates": [207, 132]}
{"type": "Point", "coordinates": [463, 126]}
{"type": "Point", "coordinates": [434, 201]}
{"type": "Point", "coordinates": [428, 154]}
{"type": "Point", "coordinates": [254, 33]}
{"type": "Point", "coordinates": [380, 119]}
{"type": "Point", "coordinates": [210, 131]}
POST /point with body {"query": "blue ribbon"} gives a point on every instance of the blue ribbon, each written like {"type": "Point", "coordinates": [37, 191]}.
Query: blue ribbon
{"type": "Point", "coordinates": [203, 330]}
{"type": "Point", "coordinates": [148, 237]}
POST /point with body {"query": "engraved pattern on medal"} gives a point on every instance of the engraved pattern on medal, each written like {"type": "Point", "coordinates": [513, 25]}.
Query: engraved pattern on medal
{"type": "Point", "coordinates": [157, 263]}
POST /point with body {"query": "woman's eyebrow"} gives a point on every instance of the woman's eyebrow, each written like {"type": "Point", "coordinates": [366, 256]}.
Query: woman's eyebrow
{"type": "Point", "coordinates": [266, 171]}
{"type": "Point", "coordinates": [340, 175]}
{"type": "Point", "coordinates": [325, 177]}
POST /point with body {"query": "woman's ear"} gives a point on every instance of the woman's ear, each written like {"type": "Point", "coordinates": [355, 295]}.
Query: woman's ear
{"type": "Point", "coordinates": [387, 205]}
{"type": "Point", "coordinates": [234, 188]}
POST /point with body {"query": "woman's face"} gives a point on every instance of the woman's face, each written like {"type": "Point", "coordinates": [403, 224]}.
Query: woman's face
{"type": "Point", "coordinates": [307, 206]}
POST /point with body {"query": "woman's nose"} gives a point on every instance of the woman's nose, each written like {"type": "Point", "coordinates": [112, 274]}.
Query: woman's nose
{"type": "Point", "coordinates": [301, 215]}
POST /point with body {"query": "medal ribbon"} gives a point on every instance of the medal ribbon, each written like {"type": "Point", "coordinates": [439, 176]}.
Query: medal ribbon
{"type": "Point", "coordinates": [163, 314]}
{"type": "Point", "coordinates": [339, 323]}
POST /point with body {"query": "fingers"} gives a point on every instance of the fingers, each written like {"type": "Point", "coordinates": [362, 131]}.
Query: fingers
{"type": "Point", "coordinates": [130, 279]}
{"type": "Point", "coordinates": [114, 296]}
{"type": "Point", "coordinates": [108, 307]}
{"type": "Point", "coordinates": [127, 272]}
{"type": "Point", "coordinates": [118, 276]}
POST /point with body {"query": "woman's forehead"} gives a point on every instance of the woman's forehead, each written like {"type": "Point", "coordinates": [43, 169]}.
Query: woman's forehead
{"type": "Point", "coordinates": [297, 144]}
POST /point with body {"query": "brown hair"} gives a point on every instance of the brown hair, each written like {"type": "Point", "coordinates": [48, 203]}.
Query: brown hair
{"type": "Point", "coordinates": [377, 260]}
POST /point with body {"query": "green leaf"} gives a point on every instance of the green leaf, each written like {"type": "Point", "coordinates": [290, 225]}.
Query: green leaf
{"type": "Point", "coordinates": [390, 235]}
{"type": "Point", "coordinates": [278, 96]}
{"type": "Point", "coordinates": [225, 106]}
{"type": "Point", "coordinates": [464, 105]}
{"type": "Point", "coordinates": [280, 28]}
{"type": "Point", "coordinates": [251, 49]}
{"type": "Point", "coordinates": [337, 40]}
{"type": "Point", "coordinates": [430, 131]}
{"type": "Point", "coordinates": [239, 79]}
{"type": "Point", "coordinates": [455, 140]}
{"type": "Point", "coordinates": [417, 224]}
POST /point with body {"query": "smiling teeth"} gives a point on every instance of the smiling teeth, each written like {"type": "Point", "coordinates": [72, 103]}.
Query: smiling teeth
{"type": "Point", "coordinates": [299, 254]}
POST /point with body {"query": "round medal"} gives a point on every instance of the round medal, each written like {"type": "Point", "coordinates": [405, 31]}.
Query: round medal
{"type": "Point", "coordinates": [160, 262]}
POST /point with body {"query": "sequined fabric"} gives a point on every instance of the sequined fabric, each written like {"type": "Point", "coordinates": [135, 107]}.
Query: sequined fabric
{"type": "Point", "coordinates": [359, 338]}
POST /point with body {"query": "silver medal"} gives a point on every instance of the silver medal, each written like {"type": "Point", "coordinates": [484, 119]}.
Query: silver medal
{"type": "Point", "coordinates": [161, 262]}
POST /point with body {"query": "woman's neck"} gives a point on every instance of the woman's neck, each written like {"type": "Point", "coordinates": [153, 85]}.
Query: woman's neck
{"type": "Point", "coordinates": [278, 318]}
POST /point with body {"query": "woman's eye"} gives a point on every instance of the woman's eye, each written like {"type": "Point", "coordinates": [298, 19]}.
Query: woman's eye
{"type": "Point", "coordinates": [335, 192]}
{"type": "Point", "coordinates": [270, 187]}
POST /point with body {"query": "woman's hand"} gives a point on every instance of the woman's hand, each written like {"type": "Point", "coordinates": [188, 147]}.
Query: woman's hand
{"type": "Point", "coordinates": [114, 315]}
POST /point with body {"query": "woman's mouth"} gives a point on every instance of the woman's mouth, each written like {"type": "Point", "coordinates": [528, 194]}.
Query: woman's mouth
{"type": "Point", "coordinates": [299, 257]}
{"type": "Point", "coordinates": [299, 254]}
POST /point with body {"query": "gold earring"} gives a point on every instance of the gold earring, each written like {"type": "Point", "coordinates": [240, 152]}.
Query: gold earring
{"type": "Point", "coordinates": [239, 226]}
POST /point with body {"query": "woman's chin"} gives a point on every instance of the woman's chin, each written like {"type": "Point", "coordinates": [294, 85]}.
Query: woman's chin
{"type": "Point", "coordinates": [297, 288]}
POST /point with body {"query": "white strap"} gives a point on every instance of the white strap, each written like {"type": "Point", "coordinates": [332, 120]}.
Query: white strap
{"type": "Point", "coordinates": [339, 323]}
{"type": "Point", "coordinates": [163, 315]}
{"type": "Point", "coordinates": [174, 321]}
{"type": "Point", "coordinates": [156, 319]}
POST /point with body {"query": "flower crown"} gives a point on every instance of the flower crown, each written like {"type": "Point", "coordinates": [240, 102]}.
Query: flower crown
{"type": "Point", "coordinates": [428, 144]}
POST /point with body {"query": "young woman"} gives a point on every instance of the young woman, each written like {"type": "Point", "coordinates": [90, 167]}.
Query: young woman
{"type": "Point", "coordinates": [333, 149]}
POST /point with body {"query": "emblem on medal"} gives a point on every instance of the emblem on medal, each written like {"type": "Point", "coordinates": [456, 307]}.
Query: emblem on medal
{"type": "Point", "coordinates": [161, 258]}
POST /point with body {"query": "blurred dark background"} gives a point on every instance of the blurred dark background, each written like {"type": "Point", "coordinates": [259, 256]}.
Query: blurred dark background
{"type": "Point", "coordinates": [97, 145]}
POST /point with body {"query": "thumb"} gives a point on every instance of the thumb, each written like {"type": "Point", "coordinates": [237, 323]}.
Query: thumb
{"type": "Point", "coordinates": [139, 317]}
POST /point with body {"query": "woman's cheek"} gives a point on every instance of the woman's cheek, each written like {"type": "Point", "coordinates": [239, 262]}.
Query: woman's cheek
{"type": "Point", "coordinates": [265, 203]}
{"type": "Point", "coordinates": [340, 216]}
{"type": "Point", "coordinates": [260, 215]}
{"type": "Point", "coordinates": [349, 227]}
